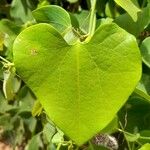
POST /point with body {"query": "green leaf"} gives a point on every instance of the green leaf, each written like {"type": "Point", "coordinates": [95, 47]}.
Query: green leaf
{"type": "Point", "coordinates": [21, 10]}
{"type": "Point", "coordinates": [10, 30]}
{"type": "Point", "coordinates": [31, 123]}
{"type": "Point", "coordinates": [26, 101]}
{"type": "Point", "coordinates": [129, 6]}
{"type": "Point", "coordinates": [141, 91]}
{"type": "Point", "coordinates": [146, 81]}
{"type": "Point", "coordinates": [4, 106]}
{"type": "Point", "coordinates": [142, 88]}
{"type": "Point", "coordinates": [11, 84]}
{"type": "Point", "coordinates": [72, 36]}
{"type": "Point", "coordinates": [48, 131]}
{"type": "Point", "coordinates": [55, 15]}
{"type": "Point", "coordinates": [19, 131]}
{"type": "Point", "coordinates": [135, 116]}
{"type": "Point", "coordinates": [51, 146]}
{"type": "Point", "coordinates": [83, 18]}
{"type": "Point", "coordinates": [6, 122]}
{"type": "Point", "coordinates": [74, 21]}
{"type": "Point", "coordinates": [60, 19]}
{"type": "Point", "coordinates": [8, 85]}
{"type": "Point", "coordinates": [35, 143]}
{"type": "Point", "coordinates": [145, 147]}
{"type": "Point", "coordinates": [126, 22]}
{"type": "Point", "coordinates": [132, 137]}
{"type": "Point", "coordinates": [109, 9]}
{"type": "Point", "coordinates": [16, 84]}
{"type": "Point", "coordinates": [58, 138]}
{"type": "Point", "coordinates": [145, 51]}
{"type": "Point", "coordinates": [80, 86]}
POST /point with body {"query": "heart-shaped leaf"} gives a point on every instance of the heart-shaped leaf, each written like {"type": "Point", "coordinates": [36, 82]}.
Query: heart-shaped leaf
{"type": "Point", "coordinates": [80, 86]}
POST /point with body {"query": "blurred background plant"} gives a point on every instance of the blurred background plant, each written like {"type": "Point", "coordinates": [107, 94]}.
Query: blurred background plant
{"type": "Point", "coordinates": [23, 122]}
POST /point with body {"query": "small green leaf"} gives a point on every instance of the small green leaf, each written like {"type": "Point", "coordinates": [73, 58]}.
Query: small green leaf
{"type": "Point", "coordinates": [71, 36]}
{"type": "Point", "coordinates": [60, 19]}
{"type": "Point", "coordinates": [141, 91]}
{"type": "Point", "coordinates": [55, 15]}
{"type": "Point", "coordinates": [11, 83]}
{"type": "Point", "coordinates": [132, 137]}
{"type": "Point", "coordinates": [142, 88]}
{"type": "Point", "coordinates": [10, 30]}
{"type": "Point", "coordinates": [35, 143]}
{"type": "Point", "coordinates": [31, 123]}
{"type": "Point", "coordinates": [19, 131]}
{"type": "Point", "coordinates": [74, 21]}
{"type": "Point", "coordinates": [4, 106]}
{"type": "Point", "coordinates": [83, 18]}
{"type": "Point", "coordinates": [51, 146]}
{"type": "Point", "coordinates": [129, 6]}
{"type": "Point", "coordinates": [58, 138]}
{"type": "Point", "coordinates": [26, 100]}
{"type": "Point", "coordinates": [135, 115]}
{"type": "Point", "coordinates": [49, 131]}
{"type": "Point", "coordinates": [8, 85]}
{"type": "Point", "coordinates": [109, 9]}
{"type": "Point", "coordinates": [9, 27]}
{"type": "Point", "coordinates": [16, 84]}
{"type": "Point", "coordinates": [5, 122]}
{"type": "Point", "coordinates": [21, 10]}
{"type": "Point", "coordinates": [77, 83]}
{"type": "Point", "coordinates": [135, 28]}
{"type": "Point", "coordinates": [145, 51]}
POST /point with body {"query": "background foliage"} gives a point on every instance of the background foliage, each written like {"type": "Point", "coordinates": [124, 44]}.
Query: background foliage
{"type": "Point", "coordinates": [23, 122]}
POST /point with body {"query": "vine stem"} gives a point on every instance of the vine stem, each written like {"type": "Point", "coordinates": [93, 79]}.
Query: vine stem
{"type": "Point", "coordinates": [3, 59]}
{"type": "Point", "coordinates": [6, 63]}
{"type": "Point", "coordinates": [92, 22]}
{"type": "Point", "coordinates": [58, 147]}
{"type": "Point", "coordinates": [121, 130]}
